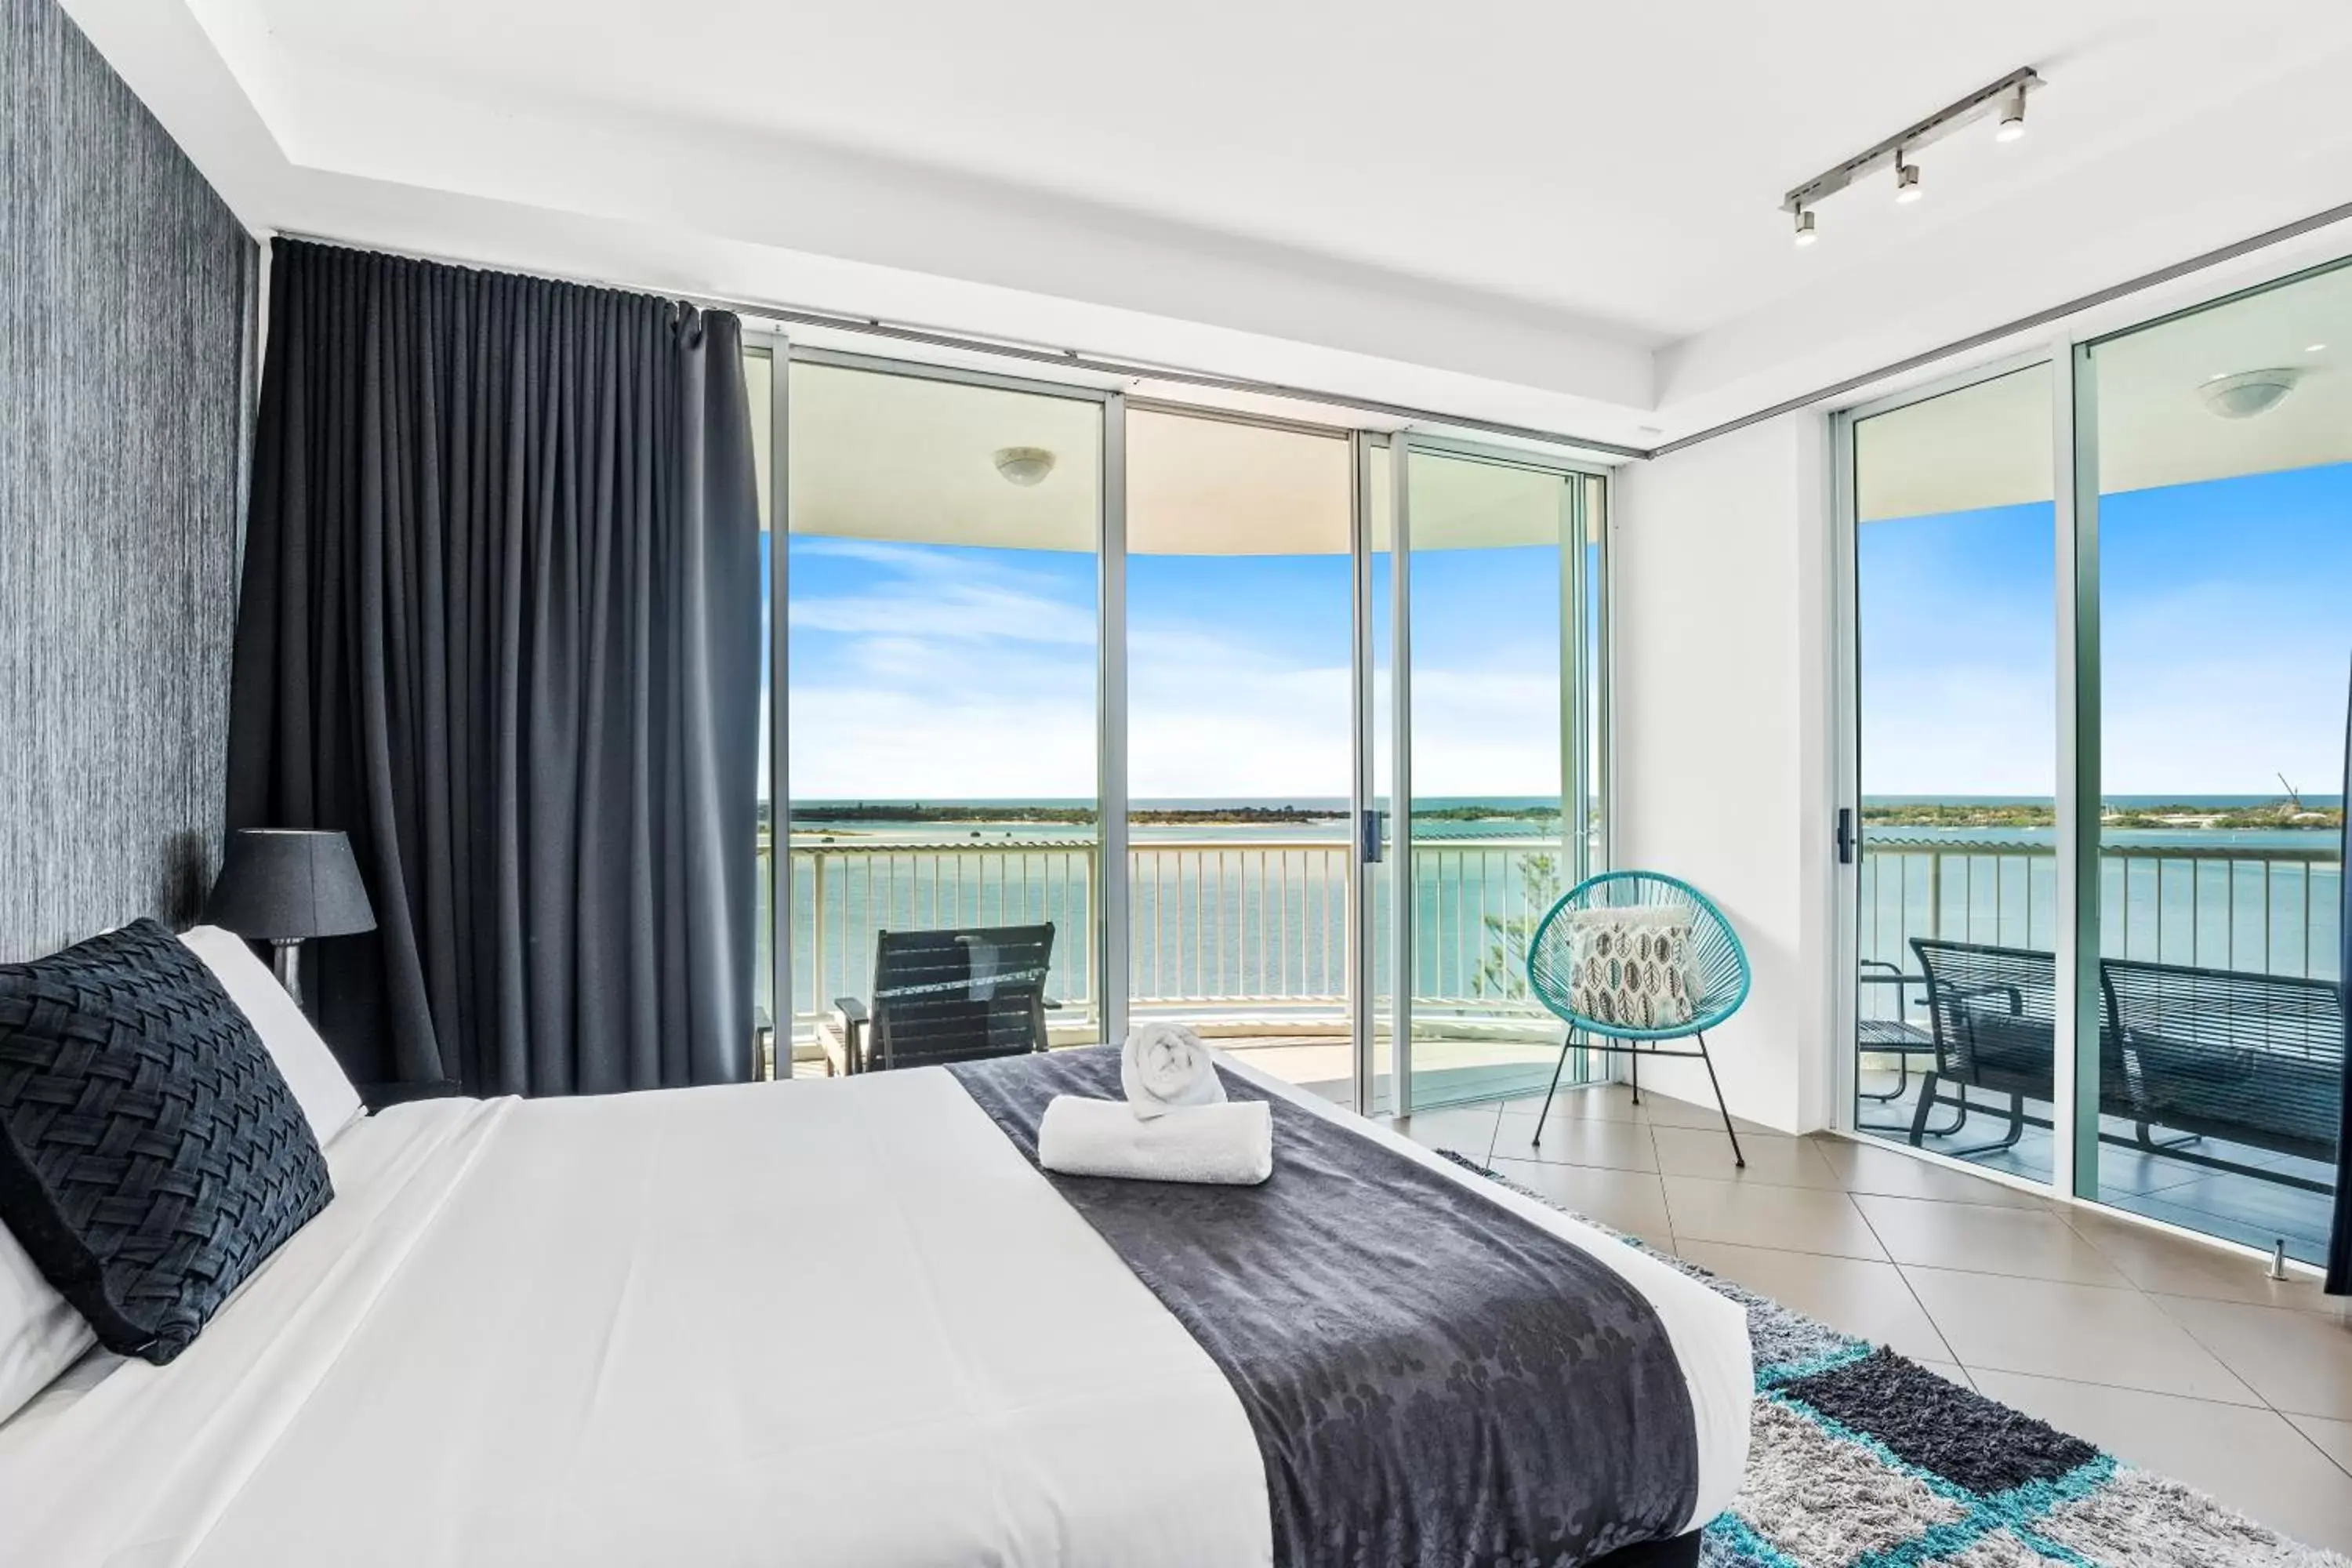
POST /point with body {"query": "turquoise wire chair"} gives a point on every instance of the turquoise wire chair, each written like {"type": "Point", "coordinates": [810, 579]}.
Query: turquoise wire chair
{"type": "Point", "coordinates": [1717, 972]}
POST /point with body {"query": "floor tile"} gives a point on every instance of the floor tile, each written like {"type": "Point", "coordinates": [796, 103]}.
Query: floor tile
{"type": "Point", "coordinates": [1592, 1102]}
{"type": "Point", "coordinates": [1752, 1214]}
{"type": "Point", "coordinates": [2172, 1266]}
{"type": "Point", "coordinates": [1665, 1112]}
{"type": "Point", "coordinates": [2300, 1361]}
{"type": "Point", "coordinates": [2036, 1244]}
{"type": "Point", "coordinates": [1850, 1294]}
{"type": "Point", "coordinates": [2089, 1334]}
{"type": "Point", "coordinates": [1864, 1168]}
{"type": "Point", "coordinates": [1465, 1128]}
{"type": "Point", "coordinates": [1617, 1145]}
{"type": "Point", "coordinates": [1773, 1159]}
{"type": "Point", "coordinates": [2249, 1458]}
{"type": "Point", "coordinates": [1631, 1201]}
{"type": "Point", "coordinates": [2333, 1438]}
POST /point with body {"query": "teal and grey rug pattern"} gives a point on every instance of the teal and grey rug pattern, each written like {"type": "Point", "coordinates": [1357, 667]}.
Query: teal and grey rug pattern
{"type": "Point", "coordinates": [1860, 1458]}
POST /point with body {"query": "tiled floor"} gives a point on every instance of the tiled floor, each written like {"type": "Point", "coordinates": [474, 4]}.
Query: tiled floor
{"type": "Point", "coordinates": [2170, 1353]}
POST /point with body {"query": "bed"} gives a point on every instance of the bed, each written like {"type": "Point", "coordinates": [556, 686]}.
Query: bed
{"type": "Point", "coordinates": [835, 1322]}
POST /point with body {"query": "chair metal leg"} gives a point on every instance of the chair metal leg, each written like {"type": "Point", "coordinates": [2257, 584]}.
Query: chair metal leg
{"type": "Point", "coordinates": [1633, 1055]}
{"type": "Point", "coordinates": [1737, 1158]}
{"type": "Point", "coordinates": [2155, 1145]}
{"type": "Point", "coordinates": [2016, 1130]}
{"type": "Point", "coordinates": [1565, 1046]}
{"type": "Point", "coordinates": [1927, 1083]}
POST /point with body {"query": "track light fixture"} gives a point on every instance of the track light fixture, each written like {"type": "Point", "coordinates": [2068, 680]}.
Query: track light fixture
{"type": "Point", "coordinates": [2012, 117]}
{"type": "Point", "coordinates": [2004, 98]}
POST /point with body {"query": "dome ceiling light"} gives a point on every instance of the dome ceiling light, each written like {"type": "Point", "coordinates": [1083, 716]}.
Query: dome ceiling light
{"type": "Point", "coordinates": [2005, 98]}
{"type": "Point", "coordinates": [1025, 466]}
{"type": "Point", "coordinates": [2248, 393]}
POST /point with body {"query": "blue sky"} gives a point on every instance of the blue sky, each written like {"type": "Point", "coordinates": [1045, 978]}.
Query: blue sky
{"type": "Point", "coordinates": [951, 672]}
{"type": "Point", "coordinates": [2226, 632]}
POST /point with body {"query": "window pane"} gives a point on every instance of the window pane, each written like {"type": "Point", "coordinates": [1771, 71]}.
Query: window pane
{"type": "Point", "coordinates": [2225, 620]}
{"type": "Point", "coordinates": [1240, 596]}
{"type": "Point", "coordinates": [1490, 659]}
{"type": "Point", "coordinates": [1956, 929]}
{"type": "Point", "coordinates": [942, 628]}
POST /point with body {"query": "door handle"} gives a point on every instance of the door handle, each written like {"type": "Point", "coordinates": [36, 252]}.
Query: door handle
{"type": "Point", "coordinates": [1845, 835]}
{"type": "Point", "coordinates": [1367, 836]}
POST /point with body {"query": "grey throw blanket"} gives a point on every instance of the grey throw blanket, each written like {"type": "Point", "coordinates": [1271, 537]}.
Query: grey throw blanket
{"type": "Point", "coordinates": [1433, 1380]}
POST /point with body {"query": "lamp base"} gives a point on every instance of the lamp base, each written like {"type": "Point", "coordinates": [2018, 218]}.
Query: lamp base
{"type": "Point", "coordinates": [286, 963]}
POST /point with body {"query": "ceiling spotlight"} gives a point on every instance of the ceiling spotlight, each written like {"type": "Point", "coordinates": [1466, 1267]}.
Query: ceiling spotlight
{"type": "Point", "coordinates": [2315, 349]}
{"type": "Point", "coordinates": [1906, 181]}
{"type": "Point", "coordinates": [2012, 117]}
{"type": "Point", "coordinates": [1025, 466]}
{"type": "Point", "coordinates": [2248, 393]}
{"type": "Point", "coordinates": [1806, 233]}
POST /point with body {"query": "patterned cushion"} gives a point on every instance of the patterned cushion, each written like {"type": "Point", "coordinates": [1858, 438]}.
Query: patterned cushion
{"type": "Point", "coordinates": [1633, 966]}
{"type": "Point", "coordinates": [150, 1155]}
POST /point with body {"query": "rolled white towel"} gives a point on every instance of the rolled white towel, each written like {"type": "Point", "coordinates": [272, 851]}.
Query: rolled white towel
{"type": "Point", "coordinates": [1229, 1145]}
{"type": "Point", "coordinates": [1164, 1065]}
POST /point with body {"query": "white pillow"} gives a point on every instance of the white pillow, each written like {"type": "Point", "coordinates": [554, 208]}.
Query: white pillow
{"type": "Point", "coordinates": [1634, 967]}
{"type": "Point", "coordinates": [329, 1101]}
{"type": "Point", "coordinates": [40, 1333]}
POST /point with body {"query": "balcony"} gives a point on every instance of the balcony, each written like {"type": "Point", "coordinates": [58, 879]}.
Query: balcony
{"type": "Point", "coordinates": [2225, 913]}
{"type": "Point", "coordinates": [1245, 939]}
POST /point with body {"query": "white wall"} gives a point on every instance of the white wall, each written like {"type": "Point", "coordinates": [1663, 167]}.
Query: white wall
{"type": "Point", "coordinates": [1722, 647]}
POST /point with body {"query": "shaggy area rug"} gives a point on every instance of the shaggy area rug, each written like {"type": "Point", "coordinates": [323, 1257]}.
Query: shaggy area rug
{"type": "Point", "coordinates": [1860, 1458]}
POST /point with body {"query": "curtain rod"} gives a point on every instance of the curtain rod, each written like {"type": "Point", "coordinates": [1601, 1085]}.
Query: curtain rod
{"type": "Point", "coordinates": [1070, 359]}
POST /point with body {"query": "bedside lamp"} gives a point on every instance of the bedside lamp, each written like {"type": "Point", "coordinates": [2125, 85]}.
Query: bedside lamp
{"type": "Point", "coordinates": [285, 885]}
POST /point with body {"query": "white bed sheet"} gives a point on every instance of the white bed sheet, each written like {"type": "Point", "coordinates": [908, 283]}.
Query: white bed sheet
{"type": "Point", "coordinates": [840, 1322]}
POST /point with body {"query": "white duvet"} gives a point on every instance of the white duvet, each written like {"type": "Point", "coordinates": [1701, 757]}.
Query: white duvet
{"type": "Point", "coordinates": [840, 1322]}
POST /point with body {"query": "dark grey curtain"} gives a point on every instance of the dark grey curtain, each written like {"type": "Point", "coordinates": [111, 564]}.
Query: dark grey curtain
{"type": "Point", "coordinates": [501, 624]}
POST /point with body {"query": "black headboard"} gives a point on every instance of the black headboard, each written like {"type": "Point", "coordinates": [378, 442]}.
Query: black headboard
{"type": "Point", "coordinates": [126, 352]}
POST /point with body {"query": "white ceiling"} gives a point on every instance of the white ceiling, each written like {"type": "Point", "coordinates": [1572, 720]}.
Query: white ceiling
{"type": "Point", "coordinates": [1559, 215]}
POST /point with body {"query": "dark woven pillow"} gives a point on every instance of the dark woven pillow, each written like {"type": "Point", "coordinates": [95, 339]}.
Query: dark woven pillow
{"type": "Point", "coordinates": [150, 1154]}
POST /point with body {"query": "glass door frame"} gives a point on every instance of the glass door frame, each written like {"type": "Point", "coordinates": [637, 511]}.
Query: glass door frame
{"type": "Point", "coordinates": [1577, 767]}
{"type": "Point", "coordinates": [2067, 543]}
{"type": "Point", "coordinates": [1110, 938]}
{"type": "Point", "coordinates": [2074, 492]}
{"type": "Point", "coordinates": [1107, 939]}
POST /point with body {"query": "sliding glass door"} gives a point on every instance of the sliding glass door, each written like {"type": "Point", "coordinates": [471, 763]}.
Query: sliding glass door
{"type": "Point", "coordinates": [2101, 636]}
{"type": "Point", "coordinates": [943, 590]}
{"type": "Point", "coordinates": [1955, 555]}
{"type": "Point", "coordinates": [1496, 655]}
{"type": "Point", "coordinates": [1240, 607]}
{"type": "Point", "coordinates": [2222, 635]}
{"type": "Point", "coordinates": [1289, 733]}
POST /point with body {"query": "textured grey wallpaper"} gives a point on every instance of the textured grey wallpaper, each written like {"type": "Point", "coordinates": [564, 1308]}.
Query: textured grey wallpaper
{"type": "Point", "coordinates": [125, 296]}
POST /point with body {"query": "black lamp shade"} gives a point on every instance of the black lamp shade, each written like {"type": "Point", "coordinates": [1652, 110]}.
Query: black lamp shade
{"type": "Point", "coordinates": [284, 884]}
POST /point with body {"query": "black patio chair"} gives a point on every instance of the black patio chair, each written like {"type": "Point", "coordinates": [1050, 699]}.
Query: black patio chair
{"type": "Point", "coordinates": [945, 996]}
{"type": "Point", "coordinates": [2249, 1059]}
{"type": "Point", "coordinates": [1893, 1036]}
{"type": "Point", "coordinates": [1991, 1012]}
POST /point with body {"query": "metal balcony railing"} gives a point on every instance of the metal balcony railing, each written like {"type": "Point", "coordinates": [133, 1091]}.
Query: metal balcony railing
{"type": "Point", "coordinates": [1256, 925]}
{"type": "Point", "coordinates": [2259, 909]}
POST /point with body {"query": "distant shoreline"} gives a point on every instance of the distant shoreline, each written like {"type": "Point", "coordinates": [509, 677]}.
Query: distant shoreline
{"type": "Point", "coordinates": [898, 813]}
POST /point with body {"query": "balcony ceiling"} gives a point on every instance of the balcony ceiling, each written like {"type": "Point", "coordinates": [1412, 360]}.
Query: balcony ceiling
{"type": "Point", "coordinates": [1561, 215]}
{"type": "Point", "coordinates": [1991, 443]}
{"type": "Point", "coordinates": [906, 459]}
